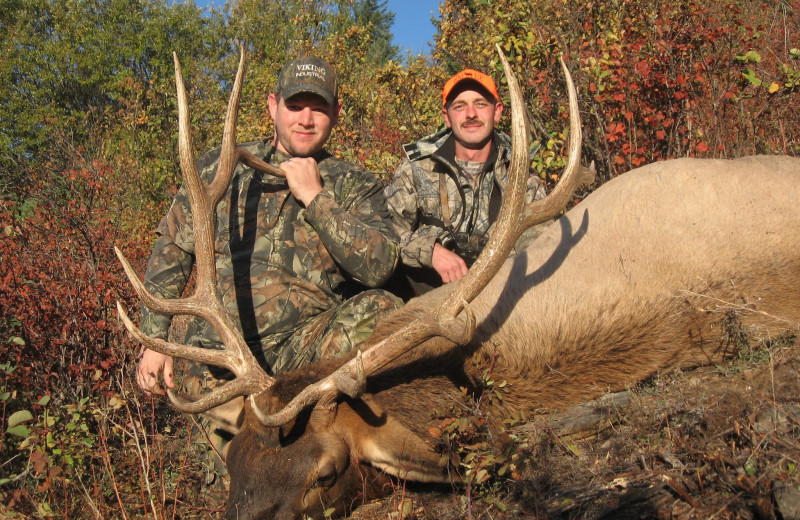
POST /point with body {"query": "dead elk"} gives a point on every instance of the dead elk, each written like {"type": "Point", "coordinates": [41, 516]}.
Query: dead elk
{"type": "Point", "coordinates": [631, 281]}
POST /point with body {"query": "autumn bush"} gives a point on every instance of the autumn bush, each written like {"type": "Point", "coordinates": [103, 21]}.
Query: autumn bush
{"type": "Point", "coordinates": [61, 344]}
{"type": "Point", "coordinates": [77, 440]}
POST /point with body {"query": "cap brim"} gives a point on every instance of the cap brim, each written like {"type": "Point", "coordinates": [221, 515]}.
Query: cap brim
{"type": "Point", "coordinates": [469, 84]}
{"type": "Point", "coordinates": [308, 88]}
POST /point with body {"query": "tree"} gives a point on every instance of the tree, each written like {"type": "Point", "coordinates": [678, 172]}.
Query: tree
{"type": "Point", "coordinates": [375, 15]}
{"type": "Point", "coordinates": [101, 73]}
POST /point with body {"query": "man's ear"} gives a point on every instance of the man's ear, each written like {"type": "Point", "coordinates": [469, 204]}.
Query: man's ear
{"type": "Point", "coordinates": [498, 111]}
{"type": "Point", "coordinates": [446, 118]}
{"type": "Point", "coordinates": [272, 102]}
{"type": "Point", "coordinates": [337, 110]}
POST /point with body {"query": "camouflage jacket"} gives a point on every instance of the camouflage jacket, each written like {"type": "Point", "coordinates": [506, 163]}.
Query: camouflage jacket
{"type": "Point", "coordinates": [278, 264]}
{"type": "Point", "coordinates": [415, 201]}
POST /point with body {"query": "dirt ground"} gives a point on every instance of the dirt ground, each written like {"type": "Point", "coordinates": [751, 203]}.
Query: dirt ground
{"type": "Point", "coordinates": [716, 442]}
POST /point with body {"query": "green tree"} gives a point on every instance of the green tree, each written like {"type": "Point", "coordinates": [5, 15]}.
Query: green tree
{"type": "Point", "coordinates": [98, 76]}
{"type": "Point", "coordinates": [375, 15]}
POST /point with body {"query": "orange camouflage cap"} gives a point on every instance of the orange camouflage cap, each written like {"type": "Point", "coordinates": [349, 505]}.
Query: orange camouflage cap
{"type": "Point", "coordinates": [472, 75]}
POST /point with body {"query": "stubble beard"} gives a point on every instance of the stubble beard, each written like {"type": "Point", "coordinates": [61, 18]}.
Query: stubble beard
{"type": "Point", "coordinates": [302, 149]}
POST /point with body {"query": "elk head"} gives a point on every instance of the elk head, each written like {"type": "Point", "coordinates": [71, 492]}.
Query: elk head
{"type": "Point", "coordinates": [305, 432]}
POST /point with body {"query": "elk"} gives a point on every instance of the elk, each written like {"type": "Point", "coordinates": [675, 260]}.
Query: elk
{"type": "Point", "coordinates": [634, 279]}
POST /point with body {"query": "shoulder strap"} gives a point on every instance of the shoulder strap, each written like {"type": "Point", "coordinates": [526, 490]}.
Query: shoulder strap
{"type": "Point", "coordinates": [495, 201]}
{"type": "Point", "coordinates": [445, 207]}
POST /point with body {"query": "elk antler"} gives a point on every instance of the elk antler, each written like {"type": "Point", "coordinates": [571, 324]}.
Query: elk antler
{"type": "Point", "coordinates": [206, 303]}
{"type": "Point", "coordinates": [513, 219]}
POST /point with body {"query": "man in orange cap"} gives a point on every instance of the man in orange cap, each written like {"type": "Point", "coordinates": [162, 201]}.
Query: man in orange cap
{"type": "Point", "coordinates": [446, 192]}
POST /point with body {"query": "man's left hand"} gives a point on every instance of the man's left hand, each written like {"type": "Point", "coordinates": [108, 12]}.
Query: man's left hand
{"type": "Point", "coordinates": [302, 174]}
{"type": "Point", "coordinates": [448, 264]}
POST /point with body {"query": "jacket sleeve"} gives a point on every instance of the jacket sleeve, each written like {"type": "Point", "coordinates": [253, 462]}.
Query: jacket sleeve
{"type": "Point", "coordinates": [170, 263]}
{"type": "Point", "coordinates": [416, 240]}
{"type": "Point", "coordinates": [167, 274]}
{"type": "Point", "coordinates": [353, 223]}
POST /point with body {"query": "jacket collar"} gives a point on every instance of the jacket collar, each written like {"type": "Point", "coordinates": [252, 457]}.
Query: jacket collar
{"type": "Point", "coordinates": [437, 143]}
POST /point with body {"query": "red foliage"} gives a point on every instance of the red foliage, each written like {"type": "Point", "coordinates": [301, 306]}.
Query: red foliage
{"type": "Point", "coordinates": [61, 279]}
{"type": "Point", "coordinates": [673, 79]}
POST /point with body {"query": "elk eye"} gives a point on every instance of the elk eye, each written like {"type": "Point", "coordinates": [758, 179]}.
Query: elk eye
{"type": "Point", "coordinates": [326, 477]}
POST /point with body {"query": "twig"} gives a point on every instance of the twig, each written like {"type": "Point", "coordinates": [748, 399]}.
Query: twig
{"type": "Point", "coordinates": [92, 505]}
{"type": "Point", "coordinates": [738, 306]}
{"type": "Point", "coordinates": [143, 459]}
{"type": "Point", "coordinates": [558, 440]}
{"type": "Point", "coordinates": [777, 440]}
{"type": "Point", "coordinates": [645, 466]}
{"type": "Point", "coordinates": [110, 469]}
{"type": "Point", "coordinates": [207, 437]}
{"type": "Point", "coordinates": [180, 474]}
{"type": "Point", "coordinates": [21, 475]}
{"type": "Point", "coordinates": [680, 490]}
{"type": "Point", "coordinates": [723, 508]}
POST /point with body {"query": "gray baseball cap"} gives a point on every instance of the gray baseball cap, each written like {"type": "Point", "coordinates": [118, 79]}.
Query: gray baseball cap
{"type": "Point", "coordinates": [308, 74]}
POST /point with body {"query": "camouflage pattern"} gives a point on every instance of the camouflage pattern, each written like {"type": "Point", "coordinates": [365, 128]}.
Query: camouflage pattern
{"type": "Point", "coordinates": [210, 432]}
{"type": "Point", "coordinates": [282, 268]}
{"type": "Point", "coordinates": [415, 202]}
{"type": "Point", "coordinates": [327, 335]}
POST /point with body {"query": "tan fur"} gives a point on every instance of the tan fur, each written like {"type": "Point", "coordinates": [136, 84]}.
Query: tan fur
{"type": "Point", "coordinates": [635, 279]}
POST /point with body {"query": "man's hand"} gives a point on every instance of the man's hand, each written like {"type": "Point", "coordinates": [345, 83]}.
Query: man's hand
{"type": "Point", "coordinates": [152, 363]}
{"type": "Point", "coordinates": [449, 265]}
{"type": "Point", "coordinates": [302, 174]}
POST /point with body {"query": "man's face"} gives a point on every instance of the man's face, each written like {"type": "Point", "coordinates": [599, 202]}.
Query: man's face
{"type": "Point", "coordinates": [303, 123]}
{"type": "Point", "coordinates": [472, 116]}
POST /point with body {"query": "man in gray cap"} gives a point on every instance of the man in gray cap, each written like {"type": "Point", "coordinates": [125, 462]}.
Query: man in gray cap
{"type": "Point", "coordinates": [292, 254]}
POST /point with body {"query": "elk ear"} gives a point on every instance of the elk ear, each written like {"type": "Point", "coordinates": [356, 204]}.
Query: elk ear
{"type": "Point", "coordinates": [227, 417]}
{"type": "Point", "coordinates": [385, 443]}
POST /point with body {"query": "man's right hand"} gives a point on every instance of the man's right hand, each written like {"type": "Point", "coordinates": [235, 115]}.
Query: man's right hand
{"type": "Point", "coordinates": [447, 264]}
{"type": "Point", "coordinates": [303, 177]}
{"type": "Point", "coordinates": [151, 364]}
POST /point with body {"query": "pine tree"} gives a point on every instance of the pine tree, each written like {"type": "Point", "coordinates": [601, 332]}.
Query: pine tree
{"type": "Point", "coordinates": [376, 14]}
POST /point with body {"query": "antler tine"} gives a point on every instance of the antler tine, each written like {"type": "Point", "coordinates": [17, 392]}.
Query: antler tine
{"type": "Point", "coordinates": [239, 154]}
{"type": "Point", "coordinates": [204, 355]}
{"type": "Point", "coordinates": [248, 159]}
{"type": "Point", "coordinates": [444, 321]}
{"type": "Point", "coordinates": [227, 157]}
{"type": "Point", "coordinates": [573, 175]}
{"type": "Point", "coordinates": [205, 303]}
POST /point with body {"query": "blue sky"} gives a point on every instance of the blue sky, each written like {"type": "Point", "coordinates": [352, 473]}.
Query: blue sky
{"type": "Point", "coordinates": [412, 27]}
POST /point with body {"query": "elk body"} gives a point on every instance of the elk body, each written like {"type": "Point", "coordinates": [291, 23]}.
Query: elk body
{"type": "Point", "coordinates": [636, 278]}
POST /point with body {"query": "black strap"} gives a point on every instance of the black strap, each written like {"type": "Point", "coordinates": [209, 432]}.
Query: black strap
{"type": "Point", "coordinates": [495, 201]}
